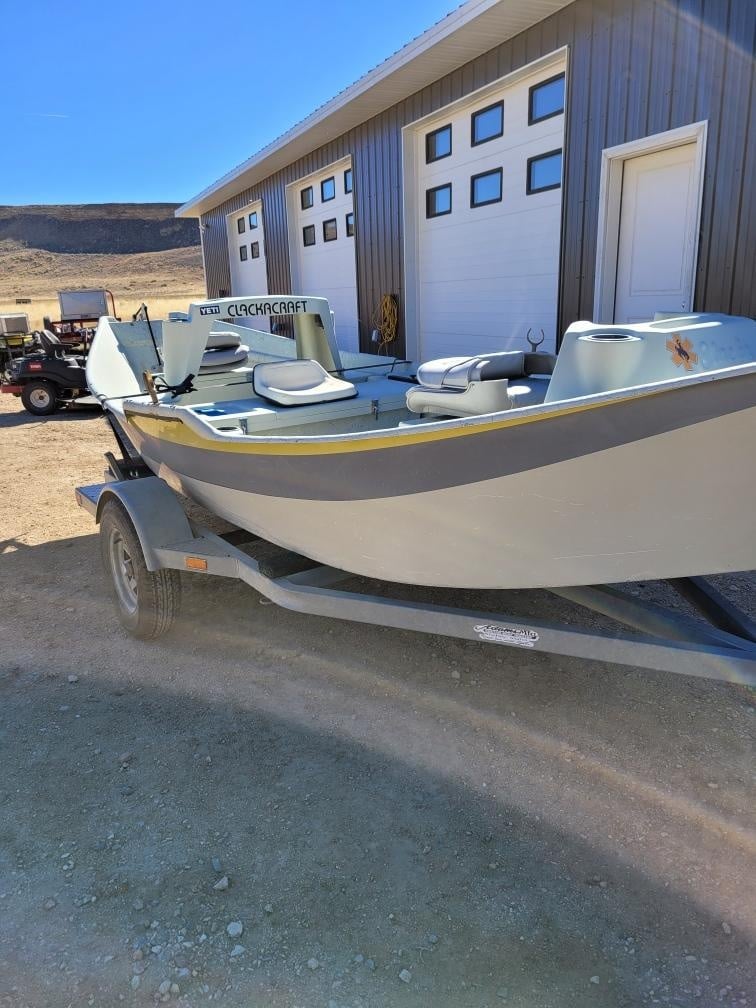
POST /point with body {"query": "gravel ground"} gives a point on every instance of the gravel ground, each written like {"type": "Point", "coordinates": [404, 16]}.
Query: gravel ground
{"type": "Point", "coordinates": [269, 809]}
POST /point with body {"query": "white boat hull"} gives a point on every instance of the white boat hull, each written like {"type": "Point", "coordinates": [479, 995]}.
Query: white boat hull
{"type": "Point", "coordinates": [644, 510]}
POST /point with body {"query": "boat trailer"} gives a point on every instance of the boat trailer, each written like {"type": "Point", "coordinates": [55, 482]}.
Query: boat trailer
{"type": "Point", "coordinates": [147, 538]}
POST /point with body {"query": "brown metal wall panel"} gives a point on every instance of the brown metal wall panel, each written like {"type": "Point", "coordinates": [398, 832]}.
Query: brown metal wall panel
{"type": "Point", "coordinates": [709, 106]}
{"type": "Point", "coordinates": [743, 292]}
{"type": "Point", "coordinates": [685, 61]}
{"type": "Point", "coordinates": [736, 80]}
{"type": "Point", "coordinates": [636, 67]}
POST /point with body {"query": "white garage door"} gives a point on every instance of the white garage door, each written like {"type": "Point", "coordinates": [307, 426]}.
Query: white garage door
{"type": "Point", "coordinates": [246, 250]}
{"type": "Point", "coordinates": [488, 211]}
{"type": "Point", "coordinates": [321, 236]}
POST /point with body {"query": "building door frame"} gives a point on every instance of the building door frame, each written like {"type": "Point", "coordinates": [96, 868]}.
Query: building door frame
{"type": "Point", "coordinates": [232, 239]}
{"type": "Point", "coordinates": [558, 60]}
{"type": "Point", "coordinates": [610, 204]}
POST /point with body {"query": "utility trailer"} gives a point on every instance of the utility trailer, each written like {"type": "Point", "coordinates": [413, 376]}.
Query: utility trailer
{"type": "Point", "coordinates": [16, 338]}
{"type": "Point", "coordinates": [80, 310]}
{"type": "Point", "coordinates": [147, 539]}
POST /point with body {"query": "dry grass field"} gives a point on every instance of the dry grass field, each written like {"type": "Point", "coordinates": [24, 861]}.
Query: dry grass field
{"type": "Point", "coordinates": [165, 280]}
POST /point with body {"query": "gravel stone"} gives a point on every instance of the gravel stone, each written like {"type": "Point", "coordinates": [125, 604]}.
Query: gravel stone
{"type": "Point", "coordinates": [405, 976]}
{"type": "Point", "coordinates": [313, 963]}
{"type": "Point", "coordinates": [235, 929]}
{"type": "Point", "coordinates": [221, 884]}
{"type": "Point", "coordinates": [236, 951]}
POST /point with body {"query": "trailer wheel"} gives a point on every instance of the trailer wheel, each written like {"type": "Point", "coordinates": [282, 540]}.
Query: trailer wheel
{"type": "Point", "coordinates": [147, 601]}
{"type": "Point", "coordinates": [39, 398]}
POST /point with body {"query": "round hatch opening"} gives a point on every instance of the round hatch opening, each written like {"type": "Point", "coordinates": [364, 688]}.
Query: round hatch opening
{"type": "Point", "coordinates": [610, 337]}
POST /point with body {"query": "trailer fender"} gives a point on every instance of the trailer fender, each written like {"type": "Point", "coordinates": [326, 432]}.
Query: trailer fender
{"type": "Point", "coordinates": [158, 518]}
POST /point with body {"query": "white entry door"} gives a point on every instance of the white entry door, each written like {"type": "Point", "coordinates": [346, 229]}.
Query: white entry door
{"type": "Point", "coordinates": [321, 245]}
{"type": "Point", "coordinates": [657, 234]}
{"type": "Point", "coordinates": [487, 210]}
{"type": "Point", "coordinates": [246, 250]}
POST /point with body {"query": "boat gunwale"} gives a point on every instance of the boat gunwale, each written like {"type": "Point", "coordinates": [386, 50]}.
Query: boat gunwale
{"type": "Point", "coordinates": [397, 437]}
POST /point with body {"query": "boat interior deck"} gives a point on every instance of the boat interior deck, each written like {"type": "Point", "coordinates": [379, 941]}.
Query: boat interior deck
{"type": "Point", "coordinates": [380, 402]}
{"type": "Point", "coordinates": [233, 409]}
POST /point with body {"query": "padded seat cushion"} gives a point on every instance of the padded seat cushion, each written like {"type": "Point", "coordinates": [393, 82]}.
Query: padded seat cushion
{"type": "Point", "coordinates": [458, 372]}
{"type": "Point", "coordinates": [299, 383]}
{"type": "Point", "coordinates": [223, 359]}
{"type": "Point", "coordinates": [222, 341]}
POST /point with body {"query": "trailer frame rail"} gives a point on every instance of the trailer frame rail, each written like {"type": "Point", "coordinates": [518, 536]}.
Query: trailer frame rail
{"type": "Point", "coordinates": [721, 645]}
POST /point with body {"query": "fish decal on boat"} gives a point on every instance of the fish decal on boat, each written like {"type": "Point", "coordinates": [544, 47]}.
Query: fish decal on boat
{"type": "Point", "coordinates": [682, 352]}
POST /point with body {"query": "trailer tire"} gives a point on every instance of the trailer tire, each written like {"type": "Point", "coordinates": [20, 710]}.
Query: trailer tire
{"type": "Point", "coordinates": [147, 601]}
{"type": "Point", "coordinates": [39, 398]}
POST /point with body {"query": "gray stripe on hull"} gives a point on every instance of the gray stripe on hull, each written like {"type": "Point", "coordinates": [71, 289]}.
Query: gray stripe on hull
{"type": "Point", "coordinates": [427, 466]}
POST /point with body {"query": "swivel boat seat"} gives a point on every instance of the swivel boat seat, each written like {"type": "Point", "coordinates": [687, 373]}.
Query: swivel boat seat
{"type": "Point", "coordinates": [486, 383]}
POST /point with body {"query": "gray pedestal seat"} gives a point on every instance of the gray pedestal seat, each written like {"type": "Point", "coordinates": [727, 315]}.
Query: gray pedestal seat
{"type": "Point", "coordinates": [472, 386]}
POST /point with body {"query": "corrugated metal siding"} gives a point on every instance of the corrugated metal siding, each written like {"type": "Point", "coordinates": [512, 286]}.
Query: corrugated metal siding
{"type": "Point", "coordinates": [636, 67]}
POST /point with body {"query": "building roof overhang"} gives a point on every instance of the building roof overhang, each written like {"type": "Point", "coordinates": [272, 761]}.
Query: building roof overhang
{"type": "Point", "coordinates": [471, 29]}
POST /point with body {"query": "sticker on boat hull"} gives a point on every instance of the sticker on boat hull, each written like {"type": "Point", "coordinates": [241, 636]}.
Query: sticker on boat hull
{"type": "Point", "coordinates": [496, 634]}
{"type": "Point", "coordinates": [682, 352]}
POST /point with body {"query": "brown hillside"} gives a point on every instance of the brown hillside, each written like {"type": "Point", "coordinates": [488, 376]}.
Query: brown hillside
{"type": "Point", "coordinates": [166, 280]}
{"type": "Point", "coordinates": [98, 227]}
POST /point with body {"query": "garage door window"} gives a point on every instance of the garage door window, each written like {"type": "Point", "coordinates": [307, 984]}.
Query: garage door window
{"type": "Point", "coordinates": [438, 144]}
{"type": "Point", "coordinates": [240, 225]}
{"type": "Point", "coordinates": [485, 188]}
{"type": "Point", "coordinates": [308, 235]}
{"type": "Point", "coordinates": [329, 230]}
{"type": "Point", "coordinates": [253, 220]}
{"type": "Point", "coordinates": [254, 250]}
{"type": "Point", "coordinates": [305, 198]}
{"type": "Point", "coordinates": [348, 180]}
{"type": "Point", "coordinates": [350, 225]}
{"type": "Point", "coordinates": [487, 124]}
{"type": "Point", "coordinates": [438, 201]}
{"type": "Point", "coordinates": [328, 189]}
{"type": "Point", "coordinates": [546, 99]}
{"type": "Point", "coordinates": [243, 251]}
{"type": "Point", "coordinates": [544, 172]}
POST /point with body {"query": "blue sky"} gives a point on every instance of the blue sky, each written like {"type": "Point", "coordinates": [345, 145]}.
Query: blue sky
{"type": "Point", "coordinates": [152, 100]}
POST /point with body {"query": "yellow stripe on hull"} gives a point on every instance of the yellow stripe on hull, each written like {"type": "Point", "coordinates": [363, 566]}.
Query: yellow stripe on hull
{"type": "Point", "coordinates": [176, 431]}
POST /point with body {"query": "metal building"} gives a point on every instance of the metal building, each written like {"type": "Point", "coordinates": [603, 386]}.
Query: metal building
{"type": "Point", "coordinates": [520, 165]}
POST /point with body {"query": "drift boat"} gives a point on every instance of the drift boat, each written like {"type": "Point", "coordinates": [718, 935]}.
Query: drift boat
{"type": "Point", "coordinates": [626, 457]}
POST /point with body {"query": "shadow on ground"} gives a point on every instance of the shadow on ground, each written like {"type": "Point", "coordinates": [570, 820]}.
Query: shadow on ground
{"type": "Point", "coordinates": [71, 415]}
{"type": "Point", "coordinates": [531, 833]}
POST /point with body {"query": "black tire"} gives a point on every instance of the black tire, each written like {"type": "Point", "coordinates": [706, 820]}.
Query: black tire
{"type": "Point", "coordinates": [147, 601]}
{"type": "Point", "coordinates": [40, 397]}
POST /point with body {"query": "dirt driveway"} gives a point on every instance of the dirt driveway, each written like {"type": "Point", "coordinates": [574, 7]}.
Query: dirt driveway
{"type": "Point", "coordinates": [268, 809]}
